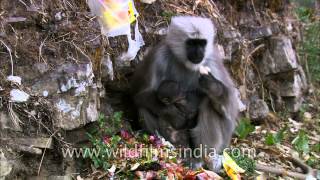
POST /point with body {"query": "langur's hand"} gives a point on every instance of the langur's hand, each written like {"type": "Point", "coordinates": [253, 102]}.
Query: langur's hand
{"type": "Point", "coordinates": [210, 85]}
{"type": "Point", "coordinates": [174, 116]}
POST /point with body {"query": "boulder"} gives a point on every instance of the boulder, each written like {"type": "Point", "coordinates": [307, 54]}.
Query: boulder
{"type": "Point", "coordinates": [5, 166]}
{"type": "Point", "coordinates": [72, 93]}
{"type": "Point", "coordinates": [107, 68]}
{"type": "Point", "coordinates": [75, 111]}
{"type": "Point", "coordinates": [254, 33]}
{"type": "Point", "coordinates": [231, 49]}
{"type": "Point", "coordinates": [279, 57]}
{"type": "Point", "coordinates": [258, 109]}
{"type": "Point", "coordinates": [259, 32]}
{"type": "Point", "coordinates": [291, 87]}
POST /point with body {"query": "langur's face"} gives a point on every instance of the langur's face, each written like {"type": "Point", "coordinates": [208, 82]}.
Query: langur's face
{"type": "Point", "coordinates": [195, 49]}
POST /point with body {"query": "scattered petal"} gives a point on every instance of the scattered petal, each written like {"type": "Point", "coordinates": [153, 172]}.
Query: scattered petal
{"type": "Point", "coordinates": [14, 79]}
{"type": "Point", "coordinates": [135, 166]}
{"type": "Point", "coordinates": [17, 95]}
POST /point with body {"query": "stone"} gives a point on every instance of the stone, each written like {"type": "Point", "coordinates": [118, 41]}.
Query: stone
{"type": "Point", "coordinates": [5, 166]}
{"type": "Point", "coordinates": [242, 106]}
{"type": "Point", "coordinates": [76, 77]}
{"type": "Point", "coordinates": [231, 48]}
{"type": "Point", "coordinates": [18, 96]}
{"type": "Point", "coordinates": [58, 16]}
{"type": "Point", "coordinates": [288, 87]}
{"type": "Point", "coordinates": [291, 87]}
{"type": "Point", "coordinates": [75, 111]}
{"type": "Point", "coordinates": [231, 33]}
{"type": "Point", "coordinates": [107, 69]}
{"type": "Point", "coordinates": [6, 123]}
{"type": "Point", "coordinates": [307, 115]}
{"type": "Point", "coordinates": [260, 32]}
{"type": "Point", "coordinates": [77, 136]}
{"type": "Point", "coordinates": [72, 93]}
{"type": "Point", "coordinates": [42, 67]}
{"type": "Point", "coordinates": [25, 148]}
{"type": "Point", "coordinates": [15, 19]}
{"type": "Point", "coordinates": [258, 109]}
{"type": "Point", "coordinates": [280, 56]}
{"type": "Point", "coordinates": [293, 104]}
{"type": "Point", "coordinates": [14, 79]}
{"type": "Point", "coordinates": [45, 86]}
{"type": "Point", "coordinates": [32, 142]}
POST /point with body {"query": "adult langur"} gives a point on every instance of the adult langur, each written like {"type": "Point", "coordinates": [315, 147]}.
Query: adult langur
{"type": "Point", "coordinates": [189, 57]}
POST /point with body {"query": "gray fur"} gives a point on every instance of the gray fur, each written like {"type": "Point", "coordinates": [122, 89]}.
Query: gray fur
{"type": "Point", "coordinates": [218, 109]}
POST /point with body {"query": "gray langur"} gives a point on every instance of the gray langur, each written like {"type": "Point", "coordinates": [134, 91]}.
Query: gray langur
{"type": "Point", "coordinates": [188, 47]}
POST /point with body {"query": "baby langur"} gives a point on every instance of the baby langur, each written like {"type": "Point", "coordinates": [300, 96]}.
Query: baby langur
{"type": "Point", "coordinates": [172, 95]}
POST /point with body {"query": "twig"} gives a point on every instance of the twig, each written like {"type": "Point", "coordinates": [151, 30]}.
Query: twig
{"type": "Point", "coordinates": [22, 2]}
{"type": "Point", "coordinates": [307, 170]}
{"type": "Point", "coordinates": [40, 50]}
{"type": "Point", "coordinates": [15, 119]}
{"type": "Point", "coordinates": [280, 171]}
{"type": "Point", "coordinates": [44, 151]}
{"type": "Point", "coordinates": [272, 102]}
{"type": "Point", "coordinates": [80, 51]}
{"type": "Point", "coordinates": [256, 68]}
{"type": "Point", "coordinates": [48, 130]}
{"type": "Point", "coordinates": [9, 50]}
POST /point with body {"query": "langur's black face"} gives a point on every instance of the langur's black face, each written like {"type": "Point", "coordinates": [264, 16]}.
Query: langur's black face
{"type": "Point", "coordinates": [195, 49]}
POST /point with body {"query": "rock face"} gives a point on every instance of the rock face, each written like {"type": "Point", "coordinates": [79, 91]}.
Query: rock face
{"type": "Point", "coordinates": [72, 92]}
{"type": "Point", "coordinates": [279, 65]}
{"type": "Point", "coordinates": [280, 56]}
{"type": "Point", "coordinates": [63, 60]}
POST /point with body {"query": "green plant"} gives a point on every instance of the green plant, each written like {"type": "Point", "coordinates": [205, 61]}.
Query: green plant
{"type": "Point", "coordinates": [104, 140]}
{"type": "Point", "coordinates": [313, 162]}
{"type": "Point", "coordinates": [316, 148]}
{"type": "Point", "coordinates": [244, 162]}
{"type": "Point", "coordinates": [309, 49]}
{"type": "Point", "coordinates": [244, 128]}
{"type": "Point", "coordinates": [276, 138]}
{"type": "Point", "coordinates": [301, 142]}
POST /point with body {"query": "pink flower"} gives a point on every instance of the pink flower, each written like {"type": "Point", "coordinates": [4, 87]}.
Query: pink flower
{"type": "Point", "coordinates": [106, 140]}
{"type": "Point", "coordinates": [125, 134]}
{"type": "Point", "coordinates": [131, 153]}
{"type": "Point", "coordinates": [155, 140]}
{"type": "Point", "coordinates": [152, 138]}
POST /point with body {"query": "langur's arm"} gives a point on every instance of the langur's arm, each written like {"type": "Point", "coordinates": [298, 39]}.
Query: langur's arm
{"type": "Point", "coordinates": [216, 91]}
{"type": "Point", "coordinates": [213, 88]}
{"type": "Point", "coordinates": [149, 100]}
